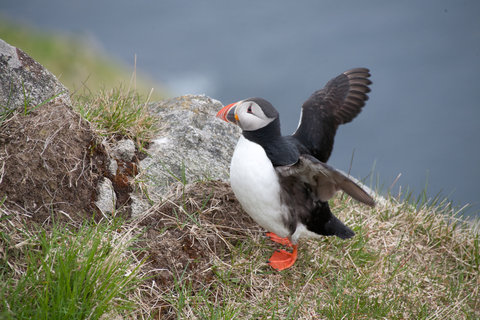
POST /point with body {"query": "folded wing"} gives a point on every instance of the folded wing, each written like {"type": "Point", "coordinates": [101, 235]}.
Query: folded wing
{"type": "Point", "coordinates": [323, 179]}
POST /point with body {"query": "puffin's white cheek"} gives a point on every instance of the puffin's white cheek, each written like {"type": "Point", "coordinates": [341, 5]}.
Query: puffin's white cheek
{"type": "Point", "coordinates": [251, 122]}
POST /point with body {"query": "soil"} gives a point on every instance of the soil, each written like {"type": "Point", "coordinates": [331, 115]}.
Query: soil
{"type": "Point", "coordinates": [50, 162]}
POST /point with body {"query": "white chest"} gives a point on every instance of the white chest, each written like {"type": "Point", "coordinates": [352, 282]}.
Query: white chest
{"type": "Point", "coordinates": [255, 184]}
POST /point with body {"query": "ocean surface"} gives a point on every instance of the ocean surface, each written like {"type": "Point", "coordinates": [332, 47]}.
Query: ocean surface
{"type": "Point", "coordinates": [422, 119]}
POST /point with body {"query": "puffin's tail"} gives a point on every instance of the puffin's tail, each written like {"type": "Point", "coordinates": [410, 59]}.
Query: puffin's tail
{"type": "Point", "coordinates": [338, 228]}
{"type": "Point", "coordinates": [322, 221]}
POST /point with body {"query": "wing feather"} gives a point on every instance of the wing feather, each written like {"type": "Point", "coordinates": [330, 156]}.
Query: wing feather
{"type": "Point", "coordinates": [324, 180]}
{"type": "Point", "coordinates": [339, 102]}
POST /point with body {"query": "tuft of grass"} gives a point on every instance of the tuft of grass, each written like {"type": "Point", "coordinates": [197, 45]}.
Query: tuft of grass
{"type": "Point", "coordinates": [119, 112]}
{"type": "Point", "coordinates": [84, 273]}
{"type": "Point", "coordinates": [27, 107]}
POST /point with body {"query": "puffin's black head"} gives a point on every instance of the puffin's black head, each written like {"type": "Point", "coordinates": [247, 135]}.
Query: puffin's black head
{"type": "Point", "coordinates": [260, 123]}
{"type": "Point", "coordinates": [249, 114]}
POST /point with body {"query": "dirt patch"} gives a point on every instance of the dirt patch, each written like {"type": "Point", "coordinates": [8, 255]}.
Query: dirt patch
{"type": "Point", "coordinates": [50, 161]}
{"type": "Point", "coordinates": [185, 236]}
{"type": "Point", "coordinates": [123, 182]}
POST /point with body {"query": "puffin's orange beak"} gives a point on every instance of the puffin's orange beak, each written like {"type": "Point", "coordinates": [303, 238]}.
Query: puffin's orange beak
{"type": "Point", "coordinates": [228, 113]}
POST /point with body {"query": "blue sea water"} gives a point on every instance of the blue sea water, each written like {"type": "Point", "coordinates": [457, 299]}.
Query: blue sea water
{"type": "Point", "coordinates": [422, 119]}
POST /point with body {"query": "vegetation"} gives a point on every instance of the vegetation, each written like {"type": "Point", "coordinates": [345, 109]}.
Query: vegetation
{"type": "Point", "coordinates": [408, 260]}
{"type": "Point", "coordinates": [403, 263]}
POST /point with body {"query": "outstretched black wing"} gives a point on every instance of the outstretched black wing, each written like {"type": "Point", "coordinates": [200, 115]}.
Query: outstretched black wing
{"type": "Point", "coordinates": [339, 102]}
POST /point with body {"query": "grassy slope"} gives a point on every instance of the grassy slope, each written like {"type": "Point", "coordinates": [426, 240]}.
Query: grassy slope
{"type": "Point", "coordinates": [403, 263]}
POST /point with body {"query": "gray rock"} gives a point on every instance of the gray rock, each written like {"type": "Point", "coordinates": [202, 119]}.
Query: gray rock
{"type": "Point", "coordinates": [192, 144]}
{"type": "Point", "coordinates": [106, 199]}
{"type": "Point", "coordinates": [139, 205]}
{"type": "Point", "coordinates": [112, 167]}
{"type": "Point", "coordinates": [124, 150]}
{"type": "Point", "coordinates": [22, 79]}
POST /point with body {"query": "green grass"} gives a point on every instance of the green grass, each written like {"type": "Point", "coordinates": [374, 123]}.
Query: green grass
{"type": "Point", "coordinates": [66, 274]}
{"type": "Point", "coordinates": [82, 272]}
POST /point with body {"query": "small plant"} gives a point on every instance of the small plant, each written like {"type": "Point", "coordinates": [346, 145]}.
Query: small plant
{"type": "Point", "coordinates": [8, 110]}
{"type": "Point", "coordinates": [27, 108]}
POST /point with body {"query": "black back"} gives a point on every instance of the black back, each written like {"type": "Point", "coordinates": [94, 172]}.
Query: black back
{"type": "Point", "coordinates": [314, 214]}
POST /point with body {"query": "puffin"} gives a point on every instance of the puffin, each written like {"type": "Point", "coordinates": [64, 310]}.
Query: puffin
{"type": "Point", "coordinates": [283, 182]}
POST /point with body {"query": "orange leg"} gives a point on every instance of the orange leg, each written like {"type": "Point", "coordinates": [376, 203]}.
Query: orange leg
{"type": "Point", "coordinates": [281, 259]}
{"type": "Point", "coordinates": [283, 241]}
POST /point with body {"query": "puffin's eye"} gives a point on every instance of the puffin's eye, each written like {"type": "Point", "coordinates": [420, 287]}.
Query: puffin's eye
{"type": "Point", "coordinates": [249, 109]}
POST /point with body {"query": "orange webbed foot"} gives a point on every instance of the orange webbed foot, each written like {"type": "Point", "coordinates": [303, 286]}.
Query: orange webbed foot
{"type": "Point", "coordinates": [281, 259]}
